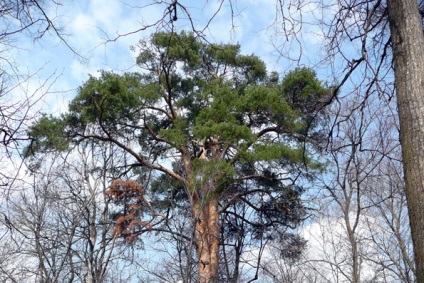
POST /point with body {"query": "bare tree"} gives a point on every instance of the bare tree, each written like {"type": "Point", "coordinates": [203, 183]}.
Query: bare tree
{"type": "Point", "coordinates": [18, 104]}
{"type": "Point", "coordinates": [389, 243]}
{"type": "Point", "coordinates": [30, 18]}
{"type": "Point", "coordinates": [363, 39]}
{"type": "Point", "coordinates": [359, 230]}
{"type": "Point", "coordinates": [63, 226]}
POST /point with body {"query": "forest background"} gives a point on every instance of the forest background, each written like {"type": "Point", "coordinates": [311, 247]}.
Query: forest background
{"type": "Point", "coordinates": [357, 229]}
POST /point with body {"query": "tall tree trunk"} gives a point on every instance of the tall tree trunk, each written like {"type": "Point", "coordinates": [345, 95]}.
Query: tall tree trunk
{"type": "Point", "coordinates": [356, 274]}
{"type": "Point", "coordinates": [408, 51]}
{"type": "Point", "coordinates": [207, 236]}
{"type": "Point", "coordinates": [206, 215]}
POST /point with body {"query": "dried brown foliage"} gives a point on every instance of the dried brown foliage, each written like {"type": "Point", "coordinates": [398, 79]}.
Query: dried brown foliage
{"type": "Point", "coordinates": [130, 196]}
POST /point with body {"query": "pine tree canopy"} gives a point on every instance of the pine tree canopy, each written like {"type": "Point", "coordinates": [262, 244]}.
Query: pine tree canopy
{"type": "Point", "coordinates": [210, 121]}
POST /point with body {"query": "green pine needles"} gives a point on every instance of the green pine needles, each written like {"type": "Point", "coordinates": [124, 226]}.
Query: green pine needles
{"type": "Point", "coordinates": [235, 134]}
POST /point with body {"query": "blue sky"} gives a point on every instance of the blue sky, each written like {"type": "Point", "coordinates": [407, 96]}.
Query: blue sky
{"type": "Point", "coordinates": [88, 25]}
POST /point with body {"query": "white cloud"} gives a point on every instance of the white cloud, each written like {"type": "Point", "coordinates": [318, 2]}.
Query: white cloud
{"type": "Point", "coordinates": [84, 31]}
{"type": "Point", "coordinates": [327, 254]}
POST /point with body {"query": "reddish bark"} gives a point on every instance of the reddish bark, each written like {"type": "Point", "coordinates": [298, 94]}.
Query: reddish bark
{"type": "Point", "coordinates": [207, 236]}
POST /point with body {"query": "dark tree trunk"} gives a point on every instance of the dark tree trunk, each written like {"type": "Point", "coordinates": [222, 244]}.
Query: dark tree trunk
{"type": "Point", "coordinates": [408, 51]}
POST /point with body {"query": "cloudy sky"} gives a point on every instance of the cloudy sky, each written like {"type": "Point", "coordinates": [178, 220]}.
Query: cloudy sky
{"type": "Point", "coordinates": [90, 25]}
{"type": "Point", "coordinates": [90, 28]}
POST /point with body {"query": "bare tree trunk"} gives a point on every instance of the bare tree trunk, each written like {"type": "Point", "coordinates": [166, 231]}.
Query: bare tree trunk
{"type": "Point", "coordinates": [356, 275]}
{"type": "Point", "coordinates": [408, 51]}
{"type": "Point", "coordinates": [207, 235]}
